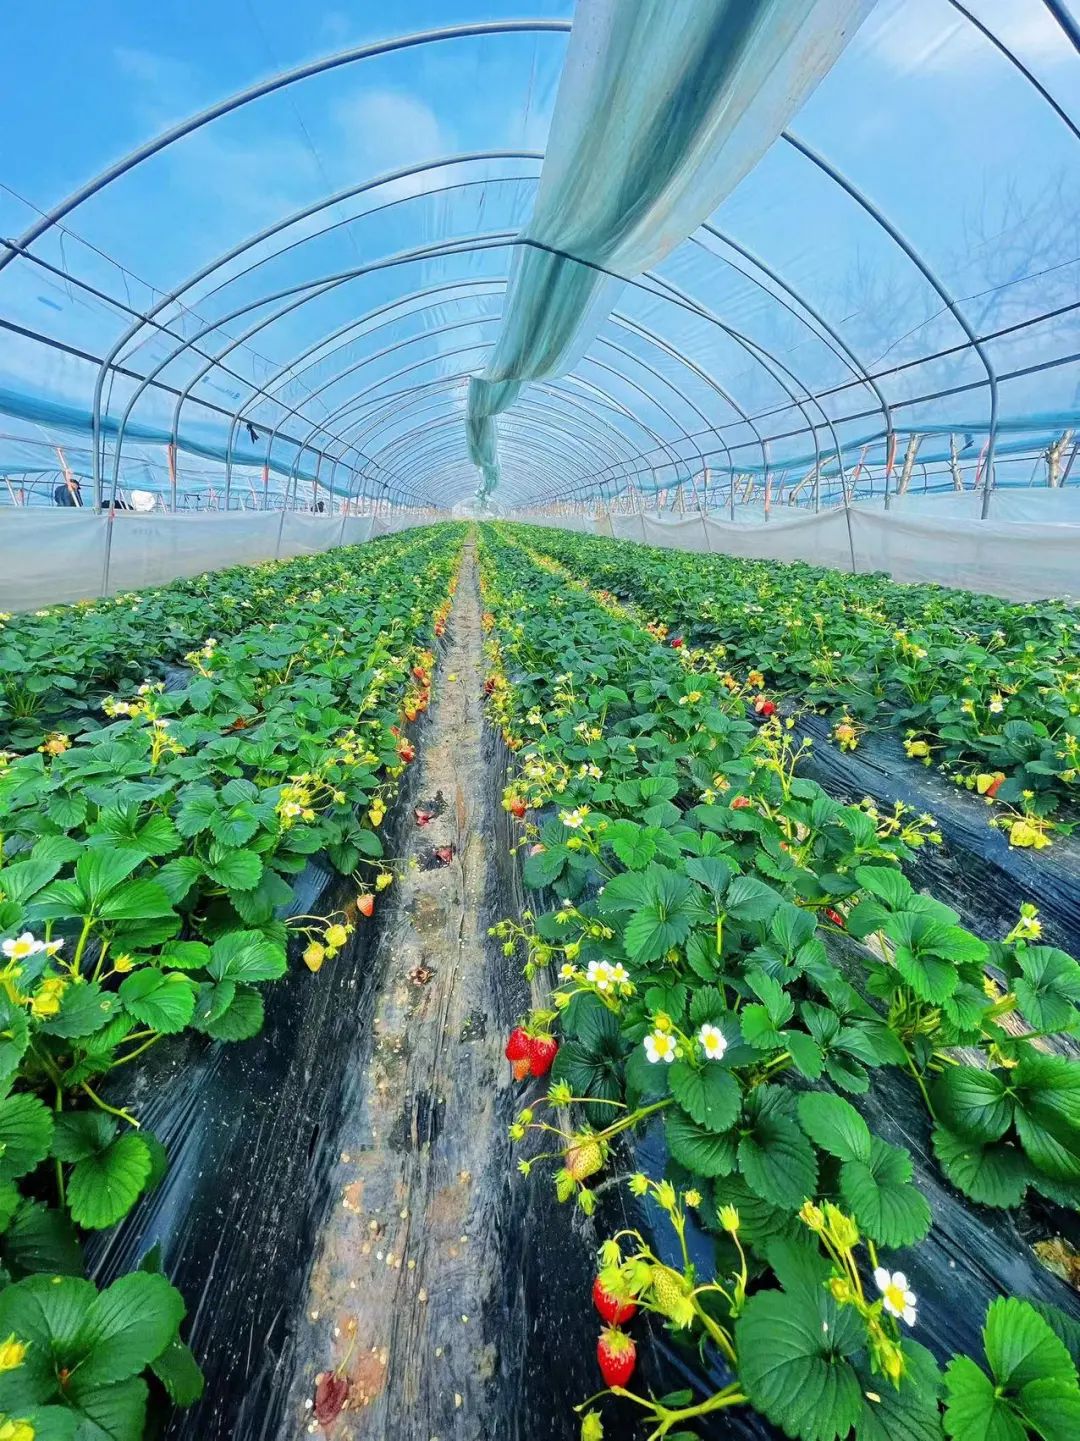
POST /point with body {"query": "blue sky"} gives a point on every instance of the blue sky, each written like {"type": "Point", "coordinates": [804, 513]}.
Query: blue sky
{"type": "Point", "coordinates": [920, 111]}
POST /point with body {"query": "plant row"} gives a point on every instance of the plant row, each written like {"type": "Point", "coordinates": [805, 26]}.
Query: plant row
{"type": "Point", "coordinates": [734, 949]}
{"type": "Point", "coordinates": [57, 664]}
{"type": "Point", "coordinates": [987, 689]}
{"type": "Point", "coordinates": [146, 874]}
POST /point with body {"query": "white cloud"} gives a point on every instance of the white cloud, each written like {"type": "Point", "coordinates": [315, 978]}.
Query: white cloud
{"type": "Point", "coordinates": [929, 37]}
{"type": "Point", "coordinates": [383, 129]}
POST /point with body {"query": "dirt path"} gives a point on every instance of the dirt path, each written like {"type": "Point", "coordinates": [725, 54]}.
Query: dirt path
{"type": "Point", "coordinates": [403, 1291]}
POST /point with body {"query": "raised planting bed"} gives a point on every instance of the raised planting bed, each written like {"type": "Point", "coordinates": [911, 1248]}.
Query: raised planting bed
{"type": "Point", "coordinates": [739, 961]}
{"type": "Point", "coordinates": [987, 689]}
{"type": "Point", "coordinates": [149, 885]}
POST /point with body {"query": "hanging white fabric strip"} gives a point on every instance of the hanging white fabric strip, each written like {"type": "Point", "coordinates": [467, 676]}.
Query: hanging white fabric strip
{"type": "Point", "coordinates": [663, 107]}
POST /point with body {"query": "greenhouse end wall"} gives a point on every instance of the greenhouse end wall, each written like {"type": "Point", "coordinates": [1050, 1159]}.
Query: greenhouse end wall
{"type": "Point", "coordinates": [1019, 560]}
{"type": "Point", "coordinates": [54, 557]}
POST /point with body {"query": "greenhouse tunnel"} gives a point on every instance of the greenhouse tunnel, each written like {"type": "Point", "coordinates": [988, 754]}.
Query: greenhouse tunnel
{"type": "Point", "coordinates": [674, 318]}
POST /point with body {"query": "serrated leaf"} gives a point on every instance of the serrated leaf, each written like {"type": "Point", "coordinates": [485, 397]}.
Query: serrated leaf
{"type": "Point", "coordinates": [886, 883]}
{"type": "Point", "coordinates": [697, 1148]}
{"type": "Point", "coordinates": [778, 1162]}
{"type": "Point", "coordinates": [631, 843]}
{"type": "Point", "coordinates": [906, 1413]}
{"type": "Point", "coordinates": [241, 1019]}
{"type": "Point", "coordinates": [879, 1195]}
{"type": "Point", "coordinates": [710, 1095]}
{"type": "Point", "coordinates": [834, 1124]}
{"type": "Point", "coordinates": [136, 900]}
{"type": "Point", "coordinates": [162, 1000]}
{"type": "Point", "coordinates": [128, 1325]}
{"type": "Point", "coordinates": [41, 1239]}
{"type": "Point", "coordinates": [110, 1413]}
{"type": "Point", "coordinates": [974, 1103]}
{"type": "Point", "coordinates": [84, 1009]}
{"type": "Point", "coordinates": [14, 1036]}
{"type": "Point", "coordinates": [178, 1371]}
{"type": "Point", "coordinates": [1048, 988]}
{"type": "Point", "coordinates": [994, 1174]}
{"type": "Point", "coordinates": [246, 956]}
{"type": "Point", "coordinates": [794, 1362]}
{"type": "Point", "coordinates": [237, 870]}
{"type": "Point", "coordinates": [26, 1131]}
{"type": "Point", "coordinates": [104, 1186]}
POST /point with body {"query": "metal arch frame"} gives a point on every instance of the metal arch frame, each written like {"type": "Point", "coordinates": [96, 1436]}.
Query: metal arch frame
{"type": "Point", "coordinates": [342, 330]}
{"type": "Point", "coordinates": [135, 157]}
{"type": "Point", "coordinates": [435, 446]}
{"type": "Point", "coordinates": [557, 391]}
{"type": "Point", "coordinates": [598, 438]}
{"type": "Point", "coordinates": [337, 414]}
{"type": "Point", "coordinates": [839, 346]}
{"type": "Point", "coordinates": [401, 258]}
{"type": "Point", "coordinates": [256, 92]}
{"type": "Point", "coordinates": [674, 293]}
{"type": "Point", "coordinates": [449, 450]}
{"type": "Point", "coordinates": [303, 294]}
{"type": "Point", "coordinates": [357, 398]}
{"type": "Point", "coordinates": [387, 177]}
{"type": "Point", "coordinates": [1065, 20]}
{"type": "Point", "coordinates": [315, 235]}
{"type": "Point", "coordinates": [610, 369]}
{"type": "Point", "coordinates": [642, 330]}
{"type": "Point", "coordinates": [1015, 60]}
{"type": "Point", "coordinates": [546, 387]}
{"type": "Point", "coordinates": [315, 290]}
{"type": "Point", "coordinates": [543, 463]}
{"type": "Point", "coordinates": [851, 189]}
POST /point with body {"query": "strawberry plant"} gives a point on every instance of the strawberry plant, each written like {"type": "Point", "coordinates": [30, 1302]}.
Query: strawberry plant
{"type": "Point", "coordinates": [987, 689]}
{"type": "Point", "coordinates": [145, 889]}
{"type": "Point", "coordinates": [709, 909]}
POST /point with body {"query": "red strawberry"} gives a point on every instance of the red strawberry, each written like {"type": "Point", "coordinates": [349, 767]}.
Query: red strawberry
{"type": "Point", "coordinates": [611, 1309]}
{"type": "Point", "coordinates": [740, 803]}
{"type": "Point", "coordinates": [365, 904]}
{"type": "Point", "coordinates": [520, 1068]}
{"type": "Point", "coordinates": [834, 916]}
{"type": "Point", "coordinates": [517, 808]}
{"type": "Point", "coordinates": [617, 1355]}
{"type": "Point", "coordinates": [420, 673]}
{"type": "Point", "coordinates": [995, 786]}
{"type": "Point", "coordinates": [489, 685]}
{"type": "Point", "coordinates": [407, 753]}
{"type": "Point", "coordinates": [677, 643]}
{"type": "Point", "coordinates": [542, 1052]}
{"type": "Point", "coordinates": [765, 707]}
{"type": "Point", "coordinates": [444, 854]}
{"type": "Point", "coordinates": [331, 1393]}
{"type": "Point", "coordinates": [517, 1047]}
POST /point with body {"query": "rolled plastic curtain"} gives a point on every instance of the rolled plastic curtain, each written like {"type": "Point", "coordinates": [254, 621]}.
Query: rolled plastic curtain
{"type": "Point", "coordinates": [663, 107]}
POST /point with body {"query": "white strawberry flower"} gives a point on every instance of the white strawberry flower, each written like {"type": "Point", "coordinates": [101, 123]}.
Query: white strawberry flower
{"type": "Point", "coordinates": [619, 974]}
{"type": "Point", "coordinates": [599, 975]}
{"type": "Point", "coordinates": [899, 1301]}
{"type": "Point", "coordinates": [25, 945]}
{"type": "Point", "coordinates": [660, 1046]}
{"type": "Point", "coordinates": [713, 1042]}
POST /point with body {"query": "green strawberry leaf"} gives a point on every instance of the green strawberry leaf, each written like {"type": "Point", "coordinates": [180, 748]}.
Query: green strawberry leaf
{"type": "Point", "coordinates": [162, 1000]}
{"type": "Point", "coordinates": [879, 1195]}
{"type": "Point", "coordinates": [710, 1094]}
{"type": "Point", "coordinates": [834, 1124]}
{"type": "Point", "coordinates": [995, 1174]}
{"type": "Point", "coordinates": [26, 1131]}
